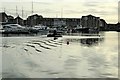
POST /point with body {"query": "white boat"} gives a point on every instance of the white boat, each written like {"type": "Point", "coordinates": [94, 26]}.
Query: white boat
{"type": "Point", "coordinates": [14, 28]}
{"type": "Point", "coordinates": [39, 27]}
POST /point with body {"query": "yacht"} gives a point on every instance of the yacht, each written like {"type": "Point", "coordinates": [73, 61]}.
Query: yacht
{"type": "Point", "coordinates": [14, 28]}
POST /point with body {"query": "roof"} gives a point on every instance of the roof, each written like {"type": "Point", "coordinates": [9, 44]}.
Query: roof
{"type": "Point", "coordinates": [18, 17]}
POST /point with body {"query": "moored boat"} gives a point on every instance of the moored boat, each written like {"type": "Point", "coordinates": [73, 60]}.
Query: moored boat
{"type": "Point", "coordinates": [54, 33]}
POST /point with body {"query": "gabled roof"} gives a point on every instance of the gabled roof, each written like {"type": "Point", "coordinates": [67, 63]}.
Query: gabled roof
{"type": "Point", "coordinates": [3, 14]}
{"type": "Point", "coordinates": [18, 17]}
{"type": "Point", "coordinates": [10, 17]}
{"type": "Point", "coordinates": [35, 15]}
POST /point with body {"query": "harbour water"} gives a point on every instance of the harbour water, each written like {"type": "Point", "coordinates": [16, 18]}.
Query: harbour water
{"type": "Point", "coordinates": [43, 57]}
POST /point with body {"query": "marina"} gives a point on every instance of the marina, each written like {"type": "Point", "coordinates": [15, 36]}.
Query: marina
{"type": "Point", "coordinates": [59, 39]}
{"type": "Point", "coordinates": [44, 57]}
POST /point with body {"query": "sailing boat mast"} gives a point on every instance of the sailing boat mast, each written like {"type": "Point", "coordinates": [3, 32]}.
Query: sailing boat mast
{"type": "Point", "coordinates": [32, 8]}
{"type": "Point", "coordinates": [16, 11]}
{"type": "Point", "coordinates": [61, 12]}
{"type": "Point", "coordinates": [22, 12]}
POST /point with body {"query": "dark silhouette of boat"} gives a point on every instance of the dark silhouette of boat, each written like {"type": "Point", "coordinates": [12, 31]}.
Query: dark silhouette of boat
{"type": "Point", "coordinates": [54, 33]}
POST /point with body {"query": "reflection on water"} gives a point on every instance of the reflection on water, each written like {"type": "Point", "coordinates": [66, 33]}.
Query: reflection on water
{"type": "Point", "coordinates": [91, 41]}
{"type": "Point", "coordinates": [86, 39]}
{"type": "Point", "coordinates": [42, 57]}
{"type": "Point", "coordinates": [92, 55]}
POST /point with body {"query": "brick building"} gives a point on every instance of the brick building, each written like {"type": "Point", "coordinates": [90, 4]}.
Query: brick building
{"type": "Point", "coordinates": [90, 21]}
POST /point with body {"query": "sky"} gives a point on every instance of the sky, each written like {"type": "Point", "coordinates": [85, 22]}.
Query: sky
{"type": "Point", "coordinates": [105, 9]}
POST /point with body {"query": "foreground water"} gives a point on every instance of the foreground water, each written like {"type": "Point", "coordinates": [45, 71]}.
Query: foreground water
{"type": "Point", "coordinates": [42, 57]}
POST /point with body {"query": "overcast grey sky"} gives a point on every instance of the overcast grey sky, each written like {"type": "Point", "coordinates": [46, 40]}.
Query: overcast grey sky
{"type": "Point", "coordinates": [106, 9]}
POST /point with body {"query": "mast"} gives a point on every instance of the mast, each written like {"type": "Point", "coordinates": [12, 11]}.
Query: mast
{"type": "Point", "coordinates": [119, 12]}
{"type": "Point", "coordinates": [22, 12]}
{"type": "Point", "coordinates": [32, 8]}
{"type": "Point", "coordinates": [4, 9]}
{"type": "Point", "coordinates": [16, 11]}
{"type": "Point", "coordinates": [61, 12]}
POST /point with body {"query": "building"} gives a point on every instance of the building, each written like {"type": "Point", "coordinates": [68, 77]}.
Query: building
{"type": "Point", "coordinates": [19, 20]}
{"type": "Point", "coordinates": [103, 24]}
{"type": "Point", "coordinates": [6, 19]}
{"type": "Point", "coordinates": [48, 22]}
{"type": "Point", "coordinates": [10, 19]}
{"type": "Point", "coordinates": [25, 22]}
{"type": "Point", "coordinates": [61, 22]}
{"type": "Point", "coordinates": [90, 21]}
{"type": "Point", "coordinates": [113, 27]}
{"type": "Point", "coordinates": [73, 22]}
{"type": "Point", "coordinates": [34, 20]}
{"type": "Point", "coordinates": [3, 17]}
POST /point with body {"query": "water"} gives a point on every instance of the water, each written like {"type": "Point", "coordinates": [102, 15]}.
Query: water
{"type": "Point", "coordinates": [42, 57]}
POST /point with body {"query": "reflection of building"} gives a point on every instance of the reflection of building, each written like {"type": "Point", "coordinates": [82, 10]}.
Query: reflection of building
{"type": "Point", "coordinates": [90, 21]}
{"type": "Point", "coordinates": [91, 41]}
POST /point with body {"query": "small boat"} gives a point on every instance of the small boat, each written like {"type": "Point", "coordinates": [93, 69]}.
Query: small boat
{"type": "Point", "coordinates": [14, 29]}
{"type": "Point", "coordinates": [54, 33]}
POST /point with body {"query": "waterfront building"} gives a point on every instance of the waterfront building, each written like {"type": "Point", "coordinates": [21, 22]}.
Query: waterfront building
{"type": "Point", "coordinates": [25, 22]}
{"type": "Point", "coordinates": [6, 19]}
{"type": "Point", "coordinates": [10, 19]}
{"type": "Point", "coordinates": [3, 17]}
{"type": "Point", "coordinates": [103, 24]}
{"type": "Point", "coordinates": [34, 20]}
{"type": "Point", "coordinates": [48, 22]}
{"type": "Point", "coordinates": [113, 27]}
{"type": "Point", "coordinates": [61, 22]}
{"type": "Point", "coordinates": [19, 20]}
{"type": "Point", "coordinates": [90, 21]}
{"type": "Point", "coordinates": [73, 22]}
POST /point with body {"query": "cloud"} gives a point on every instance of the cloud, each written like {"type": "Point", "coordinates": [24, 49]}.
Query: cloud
{"type": "Point", "coordinates": [43, 3]}
{"type": "Point", "coordinates": [71, 11]}
{"type": "Point", "coordinates": [58, 0]}
{"type": "Point", "coordinates": [100, 12]}
{"type": "Point", "coordinates": [71, 8]}
{"type": "Point", "coordinates": [90, 4]}
{"type": "Point", "coordinates": [49, 11]}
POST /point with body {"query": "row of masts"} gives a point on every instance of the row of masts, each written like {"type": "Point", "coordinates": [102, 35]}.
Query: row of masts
{"type": "Point", "coordinates": [21, 11]}
{"type": "Point", "coordinates": [17, 14]}
{"type": "Point", "coordinates": [32, 11]}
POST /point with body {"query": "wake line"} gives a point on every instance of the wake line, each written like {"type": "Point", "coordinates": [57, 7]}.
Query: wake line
{"type": "Point", "coordinates": [46, 43]}
{"type": "Point", "coordinates": [41, 46]}
{"type": "Point", "coordinates": [33, 47]}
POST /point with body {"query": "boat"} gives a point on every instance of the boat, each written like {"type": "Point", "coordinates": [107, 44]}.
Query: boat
{"type": "Point", "coordinates": [54, 33]}
{"type": "Point", "coordinates": [14, 29]}
{"type": "Point", "coordinates": [39, 27]}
